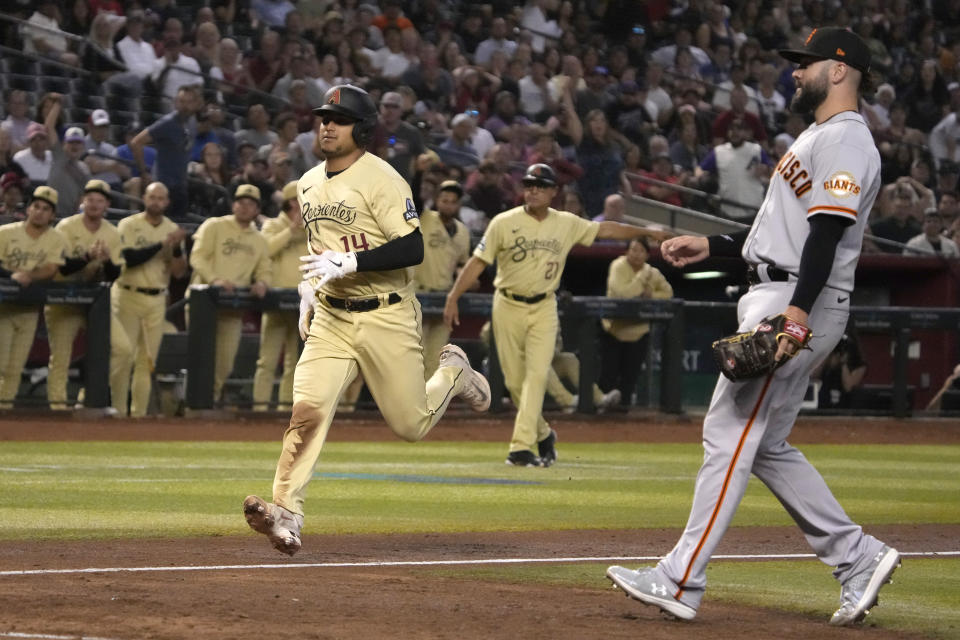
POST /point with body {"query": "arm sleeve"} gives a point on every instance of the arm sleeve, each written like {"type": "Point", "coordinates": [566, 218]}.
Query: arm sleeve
{"type": "Point", "coordinates": [4, 273]}
{"type": "Point", "coordinates": [816, 261]}
{"type": "Point", "coordinates": [405, 251]}
{"type": "Point", "coordinates": [72, 265]}
{"type": "Point", "coordinates": [133, 257]}
{"type": "Point", "coordinates": [111, 271]}
{"type": "Point", "coordinates": [728, 245]}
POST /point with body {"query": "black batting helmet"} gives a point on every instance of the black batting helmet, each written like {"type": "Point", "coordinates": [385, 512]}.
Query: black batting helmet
{"type": "Point", "coordinates": [354, 103]}
{"type": "Point", "coordinates": [540, 174]}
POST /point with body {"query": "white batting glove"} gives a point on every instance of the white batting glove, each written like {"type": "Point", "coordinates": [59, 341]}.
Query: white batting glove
{"type": "Point", "coordinates": [328, 266]}
{"type": "Point", "coordinates": [308, 301]}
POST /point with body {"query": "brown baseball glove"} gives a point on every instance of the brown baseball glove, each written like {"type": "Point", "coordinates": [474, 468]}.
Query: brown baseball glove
{"type": "Point", "coordinates": [752, 354]}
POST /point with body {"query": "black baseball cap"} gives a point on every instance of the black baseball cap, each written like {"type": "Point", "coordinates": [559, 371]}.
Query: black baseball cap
{"type": "Point", "coordinates": [832, 43]}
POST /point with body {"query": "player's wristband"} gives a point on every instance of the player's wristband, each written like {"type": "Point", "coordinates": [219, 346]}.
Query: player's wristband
{"type": "Point", "coordinates": [728, 245]}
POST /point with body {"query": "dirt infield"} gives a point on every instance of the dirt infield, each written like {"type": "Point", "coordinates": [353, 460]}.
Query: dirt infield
{"type": "Point", "coordinates": [394, 602]}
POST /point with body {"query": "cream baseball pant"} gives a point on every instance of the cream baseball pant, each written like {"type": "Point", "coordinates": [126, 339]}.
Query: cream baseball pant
{"type": "Point", "coordinates": [278, 330]}
{"type": "Point", "coordinates": [566, 366]}
{"type": "Point", "coordinates": [136, 330]}
{"type": "Point", "coordinates": [526, 336]}
{"type": "Point", "coordinates": [63, 324]}
{"type": "Point", "coordinates": [229, 329]}
{"type": "Point", "coordinates": [18, 325]}
{"type": "Point", "coordinates": [384, 345]}
{"type": "Point", "coordinates": [435, 335]}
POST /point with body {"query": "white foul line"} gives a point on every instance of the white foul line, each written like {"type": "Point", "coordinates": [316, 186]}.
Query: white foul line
{"type": "Point", "coordinates": [428, 563]}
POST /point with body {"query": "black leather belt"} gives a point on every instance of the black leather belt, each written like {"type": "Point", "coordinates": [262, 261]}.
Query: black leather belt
{"type": "Point", "coordinates": [147, 291]}
{"type": "Point", "coordinates": [527, 299]}
{"type": "Point", "coordinates": [774, 274]}
{"type": "Point", "coordinates": [361, 304]}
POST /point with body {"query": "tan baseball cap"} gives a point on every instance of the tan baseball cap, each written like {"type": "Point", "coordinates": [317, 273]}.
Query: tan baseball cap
{"type": "Point", "coordinates": [247, 191]}
{"type": "Point", "coordinates": [47, 194]}
{"type": "Point", "coordinates": [451, 185]}
{"type": "Point", "coordinates": [289, 190]}
{"type": "Point", "coordinates": [97, 186]}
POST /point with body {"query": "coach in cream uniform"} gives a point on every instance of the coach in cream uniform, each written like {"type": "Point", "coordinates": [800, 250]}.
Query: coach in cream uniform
{"type": "Point", "coordinates": [530, 244]}
{"type": "Point", "coordinates": [229, 252]}
{"type": "Point", "coordinates": [152, 252]}
{"type": "Point", "coordinates": [446, 246]}
{"type": "Point", "coordinates": [30, 251]}
{"type": "Point", "coordinates": [286, 242]}
{"type": "Point", "coordinates": [93, 254]}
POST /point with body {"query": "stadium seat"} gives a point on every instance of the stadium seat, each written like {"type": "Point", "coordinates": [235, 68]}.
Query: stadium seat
{"type": "Point", "coordinates": [25, 83]}
{"type": "Point", "coordinates": [56, 70]}
{"type": "Point", "coordinates": [117, 102]}
{"type": "Point", "coordinates": [89, 102]}
{"type": "Point", "coordinates": [21, 66]}
{"type": "Point", "coordinates": [55, 84]}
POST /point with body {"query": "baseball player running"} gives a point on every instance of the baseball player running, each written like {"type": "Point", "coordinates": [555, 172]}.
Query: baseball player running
{"type": "Point", "coordinates": [93, 254]}
{"type": "Point", "coordinates": [802, 250]}
{"type": "Point", "coordinates": [286, 239]}
{"type": "Point", "coordinates": [229, 252]}
{"type": "Point", "coordinates": [30, 251]}
{"type": "Point", "coordinates": [358, 310]}
{"type": "Point", "coordinates": [530, 244]}
{"type": "Point", "coordinates": [152, 252]}
{"type": "Point", "coordinates": [446, 246]}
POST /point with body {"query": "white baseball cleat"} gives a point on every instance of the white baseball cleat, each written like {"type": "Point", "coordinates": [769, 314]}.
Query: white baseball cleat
{"type": "Point", "coordinates": [649, 587]}
{"type": "Point", "coordinates": [474, 388]}
{"type": "Point", "coordinates": [281, 526]}
{"type": "Point", "coordinates": [859, 593]}
{"type": "Point", "coordinates": [610, 398]}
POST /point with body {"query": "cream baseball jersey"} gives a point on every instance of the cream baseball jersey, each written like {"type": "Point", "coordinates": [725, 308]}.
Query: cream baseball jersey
{"type": "Point", "coordinates": [442, 252]}
{"type": "Point", "coordinates": [531, 253]}
{"type": "Point", "coordinates": [832, 168]}
{"type": "Point", "coordinates": [284, 246]}
{"type": "Point", "coordinates": [222, 249]}
{"type": "Point", "coordinates": [80, 239]}
{"type": "Point", "coordinates": [349, 211]}
{"type": "Point", "coordinates": [20, 252]}
{"type": "Point", "coordinates": [137, 232]}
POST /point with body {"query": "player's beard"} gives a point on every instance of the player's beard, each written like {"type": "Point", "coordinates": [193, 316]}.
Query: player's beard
{"type": "Point", "coordinates": [811, 96]}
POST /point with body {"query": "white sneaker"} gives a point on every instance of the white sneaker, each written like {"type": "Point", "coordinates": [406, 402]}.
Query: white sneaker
{"type": "Point", "coordinates": [610, 399]}
{"type": "Point", "coordinates": [574, 403]}
{"type": "Point", "coordinates": [281, 526]}
{"type": "Point", "coordinates": [649, 587]}
{"type": "Point", "coordinates": [859, 593]}
{"type": "Point", "coordinates": [475, 389]}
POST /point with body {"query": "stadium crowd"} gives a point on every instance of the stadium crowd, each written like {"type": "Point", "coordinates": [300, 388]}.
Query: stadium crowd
{"type": "Point", "coordinates": [683, 102]}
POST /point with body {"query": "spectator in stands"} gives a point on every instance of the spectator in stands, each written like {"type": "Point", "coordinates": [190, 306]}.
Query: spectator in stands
{"type": "Point", "coordinates": [475, 89]}
{"type": "Point", "coordinates": [738, 110]}
{"type": "Point", "coordinates": [206, 46]}
{"type": "Point", "coordinates": [534, 18]}
{"type": "Point", "coordinates": [43, 108]}
{"type": "Point", "coordinates": [68, 172]}
{"type": "Point", "coordinates": [623, 342]}
{"type": "Point", "coordinates": [683, 39]}
{"type": "Point", "coordinates": [7, 163]}
{"type": "Point", "coordinates": [135, 52]}
{"type": "Point", "coordinates": [949, 208]}
{"type": "Point", "coordinates": [101, 156]}
{"type": "Point", "coordinates": [428, 79]}
{"type": "Point", "coordinates": [877, 114]}
{"type": "Point", "coordinates": [236, 78]}
{"type": "Point", "coordinates": [659, 102]}
{"type": "Point", "coordinates": [688, 150]}
{"type": "Point", "coordinates": [256, 171]}
{"type": "Point", "coordinates": [505, 115]}
{"type": "Point", "coordinates": [773, 106]}
{"type": "Point", "coordinates": [14, 187]}
{"type": "Point", "coordinates": [363, 18]}
{"type": "Point", "coordinates": [628, 114]}
{"type": "Point", "coordinates": [496, 42]}
{"type": "Point", "coordinates": [490, 188]}
{"type": "Point", "coordinates": [100, 56]}
{"type": "Point", "coordinates": [614, 209]}
{"type": "Point", "coordinates": [170, 79]}
{"type": "Point", "coordinates": [945, 136]}
{"type": "Point", "coordinates": [740, 169]}
{"type": "Point", "coordinates": [328, 73]}
{"type": "Point", "coordinates": [389, 60]}
{"type": "Point", "coordinates": [172, 136]}
{"type": "Point", "coordinates": [42, 34]}
{"type": "Point", "coordinates": [297, 71]}
{"type": "Point", "coordinates": [17, 121]}
{"type": "Point", "coordinates": [901, 225]}
{"type": "Point", "coordinates": [927, 98]}
{"type": "Point", "coordinates": [214, 115]}
{"type": "Point", "coordinates": [258, 130]}
{"type": "Point", "coordinates": [272, 13]}
{"type": "Point", "coordinates": [931, 242]}
{"type": "Point", "coordinates": [78, 18]}
{"type": "Point", "coordinates": [720, 67]}
{"type": "Point", "coordinates": [663, 171]}
{"type": "Point", "coordinates": [536, 101]}
{"type": "Point", "coordinates": [684, 66]}
{"type": "Point", "coordinates": [456, 150]}
{"type": "Point", "coordinates": [265, 67]}
{"type": "Point", "coordinates": [209, 181]}
{"type": "Point", "coordinates": [595, 95]}
{"type": "Point", "coordinates": [36, 159]}
{"type": "Point", "coordinates": [602, 162]}
{"type": "Point", "coordinates": [392, 16]}
{"type": "Point", "coordinates": [547, 151]}
{"type": "Point", "coordinates": [947, 177]}
{"type": "Point", "coordinates": [396, 141]}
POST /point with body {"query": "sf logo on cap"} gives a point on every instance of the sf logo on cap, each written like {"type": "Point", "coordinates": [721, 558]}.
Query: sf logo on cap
{"type": "Point", "coordinates": [335, 98]}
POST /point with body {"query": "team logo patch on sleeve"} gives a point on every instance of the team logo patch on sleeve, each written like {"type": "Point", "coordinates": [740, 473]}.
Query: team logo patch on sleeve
{"type": "Point", "coordinates": [842, 184]}
{"type": "Point", "coordinates": [411, 211]}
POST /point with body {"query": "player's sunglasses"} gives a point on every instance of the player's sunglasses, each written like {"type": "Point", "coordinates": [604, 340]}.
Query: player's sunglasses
{"type": "Point", "coordinates": [337, 119]}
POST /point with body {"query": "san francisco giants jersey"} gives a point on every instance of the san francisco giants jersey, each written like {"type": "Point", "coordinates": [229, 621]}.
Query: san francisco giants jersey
{"type": "Point", "coordinates": [442, 252]}
{"type": "Point", "coordinates": [285, 245]}
{"type": "Point", "coordinates": [20, 252]}
{"type": "Point", "coordinates": [80, 239]}
{"type": "Point", "coordinates": [624, 282]}
{"type": "Point", "coordinates": [222, 249]}
{"type": "Point", "coordinates": [530, 253]}
{"type": "Point", "coordinates": [360, 208]}
{"type": "Point", "coordinates": [137, 232]}
{"type": "Point", "coordinates": [832, 168]}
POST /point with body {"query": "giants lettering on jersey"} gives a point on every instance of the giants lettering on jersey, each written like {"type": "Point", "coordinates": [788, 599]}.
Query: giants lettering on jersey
{"type": "Point", "coordinates": [842, 184]}
{"type": "Point", "coordinates": [790, 170]}
{"type": "Point", "coordinates": [336, 211]}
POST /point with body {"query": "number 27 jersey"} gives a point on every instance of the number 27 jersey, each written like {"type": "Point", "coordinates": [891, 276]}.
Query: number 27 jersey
{"type": "Point", "coordinates": [363, 207]}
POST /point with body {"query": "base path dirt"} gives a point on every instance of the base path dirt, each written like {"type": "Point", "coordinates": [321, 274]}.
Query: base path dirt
{"type": "Point", "coordinates": [232, 599]}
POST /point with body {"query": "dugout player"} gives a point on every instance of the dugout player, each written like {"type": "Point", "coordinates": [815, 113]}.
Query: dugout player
{"type": "Point", "coordinates": [802, 251]}
{"type": "Point", "coordinates": [228, 252]}
{"type": "Point", "coordinates": [152, 253]}
{"type": "Point", "coordinates": [530, 244]}
{"type": "Point", "coordinates": [446, 246]}
{"type": "Point", "coordinates": [92, 255]}
{"type": "Point", "coordinates": [359, 311]}
{"type": "Point", "coordinates": [286, 240]}
{"type": "Point", "coordinates": [30, 251]}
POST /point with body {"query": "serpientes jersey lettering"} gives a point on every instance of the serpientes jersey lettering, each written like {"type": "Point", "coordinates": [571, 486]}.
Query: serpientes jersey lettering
{"type": "Point", "coordinates": [222, 249]}
{"type": "Point", "coordinates": [442, 252]}
{"type": "Point", "coordinates": [136, 232]}
{"type": "Point", "coordinates": [285, 246]}
{"type": "Point", "coordinates": [361, 208]}
{"type": "Point", "coordinates": [832, 169]}
{"type": "Point", "coordinates": [79, 240]}
{"type": "Point", "coordinates": [20, 252]}
{"type": "Point", "coordinates": [530, 253]}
